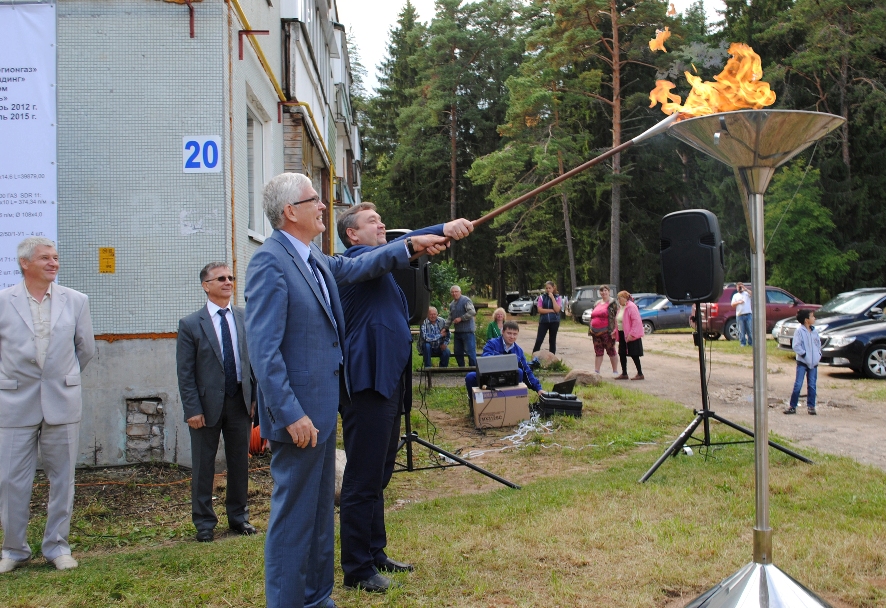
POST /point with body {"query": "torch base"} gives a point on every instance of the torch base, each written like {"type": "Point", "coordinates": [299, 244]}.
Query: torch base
{"type": "Point", "coordinates": [758, 585]}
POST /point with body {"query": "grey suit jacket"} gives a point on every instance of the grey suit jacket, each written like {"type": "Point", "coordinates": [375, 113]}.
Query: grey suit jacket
{"type": "Point", "coordinates": [298, 341]}
{"type": "Point", "coordinates": [28, 394]}
{"type": "Point", "coordinates": [201, 370]}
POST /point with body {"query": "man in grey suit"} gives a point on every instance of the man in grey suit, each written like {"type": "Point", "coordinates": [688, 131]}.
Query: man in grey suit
{"type": "Point", "coordinates": [45, 342]}
{"type": "Point", "coordinates": [215, 384]}
{"type": "Point", "coordinates": [296, 333]}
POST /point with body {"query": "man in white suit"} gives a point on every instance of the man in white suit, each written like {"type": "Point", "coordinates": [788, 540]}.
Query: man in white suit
{"type": "Point", "coordinates": [46, 340]}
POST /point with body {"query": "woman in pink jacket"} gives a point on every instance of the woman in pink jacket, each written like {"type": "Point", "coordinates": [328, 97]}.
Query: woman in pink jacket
{"type": "Point", "coordinates": [630, 335]}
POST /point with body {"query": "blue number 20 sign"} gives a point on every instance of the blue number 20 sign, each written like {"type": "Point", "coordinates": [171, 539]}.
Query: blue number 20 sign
{"type": "Point", "coordinates": [201, 154]}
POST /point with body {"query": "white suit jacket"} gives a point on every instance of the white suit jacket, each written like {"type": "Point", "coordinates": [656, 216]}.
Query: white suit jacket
{"type": "Point", "coordinates": [28, 394]}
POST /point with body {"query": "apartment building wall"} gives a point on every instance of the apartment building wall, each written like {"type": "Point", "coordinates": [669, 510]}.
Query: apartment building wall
{"type": "Point", "coordinates": [132, 85]}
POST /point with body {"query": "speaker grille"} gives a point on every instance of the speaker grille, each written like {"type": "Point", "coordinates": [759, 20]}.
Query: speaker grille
{"type": "Point", "coordinates": [691, 256]}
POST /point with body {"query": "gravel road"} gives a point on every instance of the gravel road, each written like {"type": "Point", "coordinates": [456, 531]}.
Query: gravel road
{"type": "Point", "coordinates": [851, 417]}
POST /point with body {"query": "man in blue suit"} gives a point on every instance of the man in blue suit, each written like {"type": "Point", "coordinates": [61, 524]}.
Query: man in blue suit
{"type": "Point", "coordinates": [296, 334]}
{"type": "Point", "coordinates": [506, 344]}
{"type": "Point", "coordinates": [379, 343]}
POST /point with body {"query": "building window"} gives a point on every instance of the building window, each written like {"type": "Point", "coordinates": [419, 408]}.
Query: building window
{"type": "Point", "coordinates": [259, 225]}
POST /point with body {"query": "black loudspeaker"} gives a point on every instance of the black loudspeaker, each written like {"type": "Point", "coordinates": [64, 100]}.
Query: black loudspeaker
{"type": "Point", "coordinates": [691, 256]}
{"type": "Point", "coordinates": [415, 282]}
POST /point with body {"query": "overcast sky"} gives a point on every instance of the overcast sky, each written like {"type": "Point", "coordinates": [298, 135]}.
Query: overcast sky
{"type": "Point", "coordinates": [370, 22]}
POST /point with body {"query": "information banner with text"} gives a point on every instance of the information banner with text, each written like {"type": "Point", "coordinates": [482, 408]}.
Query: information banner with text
{"type": "Point", "coordinates": [28, 167]}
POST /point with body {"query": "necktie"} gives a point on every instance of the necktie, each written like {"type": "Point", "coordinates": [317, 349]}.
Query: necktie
{"type": "Point", "coordinates": [313, 264]}
{"type": "Point", "coordinates": [228, 355]}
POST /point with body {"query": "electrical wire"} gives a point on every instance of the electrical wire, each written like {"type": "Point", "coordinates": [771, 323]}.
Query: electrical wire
{"type": "Point", "coordinates": [791, 202]}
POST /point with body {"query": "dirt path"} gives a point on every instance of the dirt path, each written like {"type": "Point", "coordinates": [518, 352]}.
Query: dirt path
{"type": "Point", "coordinates": [848, 424]}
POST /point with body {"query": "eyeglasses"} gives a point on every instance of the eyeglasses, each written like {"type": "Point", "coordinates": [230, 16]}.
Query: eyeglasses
{"type": "Point", "coordinates": [221, 279]}
{"type": "Point", "coordinates": [314, 199]}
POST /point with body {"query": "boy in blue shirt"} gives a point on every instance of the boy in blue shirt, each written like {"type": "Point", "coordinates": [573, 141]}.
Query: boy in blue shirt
{"type": "Point", "coordinates": [807, 345]}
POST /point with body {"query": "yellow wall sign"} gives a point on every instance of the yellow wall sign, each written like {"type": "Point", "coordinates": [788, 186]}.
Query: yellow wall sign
{"type": "Point", "coordinates": [107, 260]}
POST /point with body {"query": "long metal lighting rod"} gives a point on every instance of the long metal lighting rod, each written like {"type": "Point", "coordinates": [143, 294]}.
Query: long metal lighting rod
{"type": "Point", "coordinates": [661, 127]}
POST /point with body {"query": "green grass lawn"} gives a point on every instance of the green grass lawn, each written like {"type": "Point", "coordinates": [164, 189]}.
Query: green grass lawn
{"type": "Point", "coordinates": [580, 532]}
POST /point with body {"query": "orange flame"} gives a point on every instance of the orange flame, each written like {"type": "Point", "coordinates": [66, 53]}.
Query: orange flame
{"type": "Point", "coordinates": [737, 87]}
{"type": "Point", "coordinates": [657, 43]}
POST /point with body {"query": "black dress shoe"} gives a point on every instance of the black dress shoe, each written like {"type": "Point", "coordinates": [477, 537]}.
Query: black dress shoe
{"type": "Point", "coordinates": [205, 536]}
{"type": "Point", "coordinates": [389, 565]}
{"type": "Point", "coordinates": [374, 584]}
{"type": "Point", "coordinates": [245, 528]}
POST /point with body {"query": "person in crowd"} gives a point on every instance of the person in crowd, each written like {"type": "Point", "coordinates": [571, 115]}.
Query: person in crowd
{"type": "Point", "coordinates": [505, 345]}
{"type": "Point", "coordinates": [807, 345]}
{"type": "Point", "coordinates": [461, 324]}
{"type": "Point", "coordinates": [630, 335]}
{"type": "Point", "coordinates": [741, 301]}
{"type": "Point", "coordinates": [493, 330]}
{"type": "Point", "coordinates": [46, 340]}
{"type": "Point", "coordinates": [603, 330]}
{"type": "Point", "coordinates": [379, 368]}
{"type": "Point", "coordinates": [215, 384]}
{"type": "Point", "coordinates": [549, 305]}
{"type": "Point", "coordinates": [296, 331]}
{"type": "Point", "coordinates": [433, 339]}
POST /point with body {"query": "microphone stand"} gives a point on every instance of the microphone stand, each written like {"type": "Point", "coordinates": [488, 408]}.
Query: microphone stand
{"type": "Point", "coordinates": [410, 437]}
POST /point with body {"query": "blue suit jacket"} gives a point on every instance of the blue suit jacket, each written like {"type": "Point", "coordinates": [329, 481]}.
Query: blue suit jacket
{"type": "Point", "coordinates": [294, 346]}
{"type": "Point", "coordinates": [496, 346]}
{"type": "Point", "coordinates": [377, 317]}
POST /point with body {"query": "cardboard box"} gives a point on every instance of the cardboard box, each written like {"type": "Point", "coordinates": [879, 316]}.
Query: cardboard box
{"type": "Point", "coordinates": [504, 406]}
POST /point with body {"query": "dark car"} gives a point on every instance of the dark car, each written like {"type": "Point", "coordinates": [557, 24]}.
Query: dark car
{"type": "Point", "coordinates": [860, 346]}
{"type": "Point", "coordinates": [585, 297]}
{"type": "Point", "coordinates": [845, 308]}
{"type": "Point", "coordinates": [664, 314]}
{"type": "Point", "coordinates": [719, 317]}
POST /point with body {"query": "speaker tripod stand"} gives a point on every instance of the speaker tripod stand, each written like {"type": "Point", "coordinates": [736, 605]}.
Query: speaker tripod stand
{"type": "Point", "coordinates": [410, 437]}
{"type": "Point", "coordinates": [705, 415]}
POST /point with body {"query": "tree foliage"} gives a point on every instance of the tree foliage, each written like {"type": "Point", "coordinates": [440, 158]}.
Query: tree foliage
{"type": "Point", "coordinates": [800, 248]}
{"type": "Point", "coordinates": [492, 98]}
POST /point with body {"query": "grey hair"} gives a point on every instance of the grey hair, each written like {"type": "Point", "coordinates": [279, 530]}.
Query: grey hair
{"type": "Point", "coordinates": [28, 246]}
{"type": "Point", "coordinates": [434, 308]}
{"type": "Point", "coordinates": [455, 287]}
{"type": "Point", "coordinates": [348, 219]}
{"type": "Point", "coordinates": [210, 267]}
{"type": "Point", "coordinates": [280, 191]}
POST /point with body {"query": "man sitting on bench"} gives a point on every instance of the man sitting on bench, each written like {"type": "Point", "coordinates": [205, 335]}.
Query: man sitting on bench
{"type": "Point", "coordinates": [506, 344]}
{"type": "Point", "coordinates": [433, 340]}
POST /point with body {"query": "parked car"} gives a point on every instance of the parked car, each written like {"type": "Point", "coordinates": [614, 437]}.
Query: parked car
{"type": "Point", "coordinates": [776, 329]}
{"type": "Point", "coordinates": [860, 346]}
{"type": "Point", "coordinates": [524, 305]}
{"type": "Point", "coordinates": [584, 298]}
{"type": "Point", "coordinates": [845, 308]}
{"type": "Point", "coordinates": [719, 317]}
{"type": "Point", "coordinates": [644, 300]}
{"type": "Point", "coordinates": [664, 314]}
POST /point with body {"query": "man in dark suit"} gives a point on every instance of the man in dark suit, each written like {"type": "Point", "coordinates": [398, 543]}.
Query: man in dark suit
{"type": "Point", "coordinates": [379, 343]}
{"type": "Point", "coordinates": [297, 340]}
{"type": "Point", "coordinates": [214, 381]}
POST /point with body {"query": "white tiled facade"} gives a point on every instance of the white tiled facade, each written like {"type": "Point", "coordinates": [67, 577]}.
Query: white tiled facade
{"type": "Point", "coordinates": [132, 84]}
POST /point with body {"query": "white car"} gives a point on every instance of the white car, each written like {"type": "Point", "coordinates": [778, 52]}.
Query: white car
{"type": "Point", "coordinates": [524, 305]}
